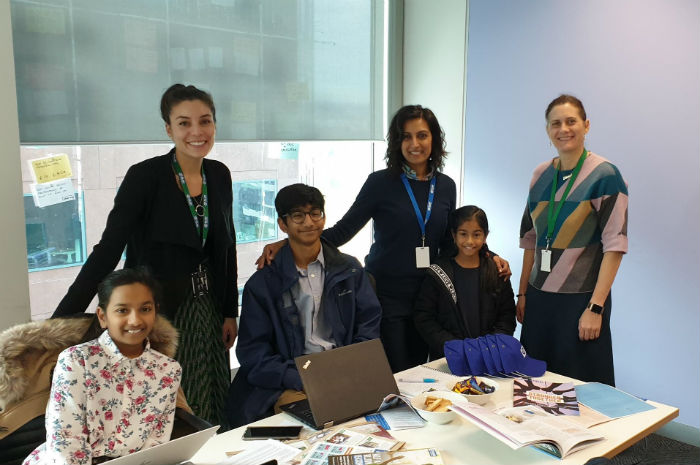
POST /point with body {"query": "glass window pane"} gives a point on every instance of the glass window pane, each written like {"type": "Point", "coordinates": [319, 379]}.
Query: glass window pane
{"type": "Point", "coordinates": [258, 171]}
{"type": "Point", "coordinates": [254, 213]}
{"type": "Point", "coordinates": [55, 234]}
{"type": "Point", "coordinates": [94, 70]}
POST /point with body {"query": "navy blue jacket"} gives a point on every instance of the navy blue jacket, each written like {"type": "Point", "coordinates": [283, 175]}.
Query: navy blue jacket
{"type": "Point", "coordinates": [392, 258]}
{"type": "Point", "coordinates": [270, 334]}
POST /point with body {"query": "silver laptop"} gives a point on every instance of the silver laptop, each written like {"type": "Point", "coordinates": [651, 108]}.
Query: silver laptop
{"type": "Point", "coordinates": [170, 453]}
{"type": "Point", "coordinates": [342, 384]}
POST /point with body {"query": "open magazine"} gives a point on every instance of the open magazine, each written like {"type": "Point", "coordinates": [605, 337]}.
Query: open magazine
{"type": "Point", "coordinates": [529, 426]}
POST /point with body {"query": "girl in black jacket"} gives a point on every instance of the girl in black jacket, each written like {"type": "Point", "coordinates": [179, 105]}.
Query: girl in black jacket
{"type": "Point", "coordinates": [462, 296]}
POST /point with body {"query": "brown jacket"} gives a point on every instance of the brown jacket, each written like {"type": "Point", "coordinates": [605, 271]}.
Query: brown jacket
{"type": "Point", "coordinates": [28, 354]}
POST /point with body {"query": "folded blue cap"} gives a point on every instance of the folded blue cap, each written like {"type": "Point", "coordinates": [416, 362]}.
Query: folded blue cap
{"type": "Point", "coordinates": [456, 360]}
{"type": "Point", "coordinates": [514, 358]}
{"type": "Point", "coordinates": [495, 354]}
{"type": "Point", "coordinates": [474, 357]}
{"type": "Point", "coordinates": [486, 355]}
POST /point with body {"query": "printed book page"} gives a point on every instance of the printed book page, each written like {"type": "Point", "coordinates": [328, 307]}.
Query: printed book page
{"type": "Point", "coordinates": [523, 426]}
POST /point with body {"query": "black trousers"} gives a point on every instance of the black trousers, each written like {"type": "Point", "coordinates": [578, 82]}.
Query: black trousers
{"type": "Point", "coordinates": [550, 333]}
{"type": "Point", "coordinates": [403, 345]}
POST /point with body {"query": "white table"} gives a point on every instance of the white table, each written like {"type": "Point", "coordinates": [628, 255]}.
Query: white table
{"type": "Point", "coordinates": [462, 443]}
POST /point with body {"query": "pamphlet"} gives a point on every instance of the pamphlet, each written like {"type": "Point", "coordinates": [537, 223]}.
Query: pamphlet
{"type": "Point", "coordinates": [404, 457]}
{"type": "Point", "coordinates": [610, 401]}
{"type": "Point", "coordinates": [319, 454]}
{"type": "Point", "coordinates": [554, 398]}
{"type": "Point", "coordinates": [262, 451]}
{"type": "Point", "coordinates": [397, 413]}
{"type": "Point", "coordinates": [529, 426]}
{"type": "Point", "coordinates": [358, 438]}
{"type": "Point", "coordinates": [351, 437]}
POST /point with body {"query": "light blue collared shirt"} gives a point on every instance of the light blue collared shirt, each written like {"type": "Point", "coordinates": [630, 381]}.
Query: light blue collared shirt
{"type": "Point", "coordinates": [307, 294]}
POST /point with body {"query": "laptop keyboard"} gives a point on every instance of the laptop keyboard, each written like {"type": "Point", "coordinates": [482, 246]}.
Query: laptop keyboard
{"type": "Point", "coordinates": [302, 411]}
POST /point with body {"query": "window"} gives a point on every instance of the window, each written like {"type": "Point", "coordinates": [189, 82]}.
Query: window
{"type": "Point", "coordinates": [92, 70]}
{"type": "Point", "coordinates": [55, 234]}
{"type": "Point", "coordinates": [254, 214]}
{"type": "Point", "coordinates": [258, 170]}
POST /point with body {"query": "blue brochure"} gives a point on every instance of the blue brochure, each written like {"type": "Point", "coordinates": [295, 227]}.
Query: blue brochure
{"type": "Point", "coordinates": [609, 401]}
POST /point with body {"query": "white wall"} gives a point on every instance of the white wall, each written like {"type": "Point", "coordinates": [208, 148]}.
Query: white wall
{"type": "Point", "coordinates": [14, 289]}
{"type": "Point", "coordinates": [636, 66]}
{"type": "Point", "coordinates": [433, 68]}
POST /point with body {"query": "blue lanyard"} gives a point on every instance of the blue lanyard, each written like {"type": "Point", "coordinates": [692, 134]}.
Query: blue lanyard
{"type": "Point", "coordinates": [429, 208]}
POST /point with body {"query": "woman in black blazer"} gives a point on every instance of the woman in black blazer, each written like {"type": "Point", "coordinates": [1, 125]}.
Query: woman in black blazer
{"type": "Point", "coordinates": [174, 215]}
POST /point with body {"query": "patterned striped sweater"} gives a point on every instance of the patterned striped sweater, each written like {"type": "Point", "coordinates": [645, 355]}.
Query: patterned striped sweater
{"type": "Point", "coordinates": [592, 221]}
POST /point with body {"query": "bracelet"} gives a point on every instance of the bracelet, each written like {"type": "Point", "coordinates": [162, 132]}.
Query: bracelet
{"type": "Point", "coordinates": [520, 295]}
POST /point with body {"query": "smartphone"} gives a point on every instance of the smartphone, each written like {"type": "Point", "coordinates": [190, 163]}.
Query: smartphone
{"type": "Point", "coordinates": [271, 432]}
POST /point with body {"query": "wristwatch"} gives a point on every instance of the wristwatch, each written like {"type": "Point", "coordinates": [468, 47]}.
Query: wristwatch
{"type": "Point", "coordinates": [594, 308]}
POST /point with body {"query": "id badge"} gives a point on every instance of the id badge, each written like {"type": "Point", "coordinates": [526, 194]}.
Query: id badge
{"type": "Point", "coordinates": [422, 257]}
{"type": "Point", "coordinates": [200, 283]}
{"type": "Point", "coordinates": [546, 263]}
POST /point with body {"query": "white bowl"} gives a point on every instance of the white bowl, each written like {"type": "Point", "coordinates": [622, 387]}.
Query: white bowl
{"type": "Point", "coordinates": [439, 418]}
{"type": "Point", "coordinates": [480, 399]}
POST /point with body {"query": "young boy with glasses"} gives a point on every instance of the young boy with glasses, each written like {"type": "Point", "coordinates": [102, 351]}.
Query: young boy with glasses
{"type": "Point", "coordinates": [309, 299]}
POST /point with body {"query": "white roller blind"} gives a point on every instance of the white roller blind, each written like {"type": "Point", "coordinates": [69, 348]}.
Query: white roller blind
{"type": "Point", "coordinates": [94, 70]}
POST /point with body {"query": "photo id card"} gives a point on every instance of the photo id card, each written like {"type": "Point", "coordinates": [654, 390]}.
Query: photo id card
{"type": "Point", "coordinates": [422, 257]}
{"type": "Point", "coordinates": [546, 264]}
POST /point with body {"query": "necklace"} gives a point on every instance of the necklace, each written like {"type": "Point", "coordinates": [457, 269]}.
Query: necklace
{"type": "Point", "coordinates": [198, 205]}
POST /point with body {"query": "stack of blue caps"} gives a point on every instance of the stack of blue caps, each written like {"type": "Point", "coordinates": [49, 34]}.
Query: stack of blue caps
{"type": "Point", "coordinates": [494, 355]}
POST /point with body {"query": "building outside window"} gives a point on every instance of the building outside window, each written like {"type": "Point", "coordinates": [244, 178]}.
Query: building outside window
{"type": "Point", "coordinates": [55, 234]}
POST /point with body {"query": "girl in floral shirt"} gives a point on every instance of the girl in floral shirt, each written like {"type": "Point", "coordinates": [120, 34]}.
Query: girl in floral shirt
{"type": "Point", "coordinates": [114, 395]}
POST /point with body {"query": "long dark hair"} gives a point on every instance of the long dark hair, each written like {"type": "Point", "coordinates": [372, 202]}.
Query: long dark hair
{"type": "Point", "coordinates": [488, 273]}
{"type": "Point", "coordinates": [394, 157]}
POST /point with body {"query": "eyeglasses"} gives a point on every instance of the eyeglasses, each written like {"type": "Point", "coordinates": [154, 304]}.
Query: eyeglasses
{"type": "Point", "coordinates": [299, 217]}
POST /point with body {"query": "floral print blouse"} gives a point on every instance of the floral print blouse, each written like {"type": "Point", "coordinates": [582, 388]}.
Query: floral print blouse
{"type": "Point", "coordinates": [105, 404]}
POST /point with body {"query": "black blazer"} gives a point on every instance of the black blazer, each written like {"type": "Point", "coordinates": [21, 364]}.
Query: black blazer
{"type": "Point", "coordinates": [152, 219]}
{"type": "Point", "coordinates": [438, 318]}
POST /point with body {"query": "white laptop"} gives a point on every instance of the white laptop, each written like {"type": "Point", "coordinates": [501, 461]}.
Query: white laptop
{"type": "Point", "coordinates": [170, 453]}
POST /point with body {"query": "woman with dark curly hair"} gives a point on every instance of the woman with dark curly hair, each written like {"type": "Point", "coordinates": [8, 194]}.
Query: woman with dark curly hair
{"type": "Point", "coordinates": [410, 202]}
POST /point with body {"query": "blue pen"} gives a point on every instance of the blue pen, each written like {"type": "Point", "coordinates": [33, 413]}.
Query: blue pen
{"type": "Point", "coordinates": [424, 380]}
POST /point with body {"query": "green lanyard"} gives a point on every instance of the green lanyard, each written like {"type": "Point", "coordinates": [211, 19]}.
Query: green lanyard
{"type": "Point", "coordinates": [552, 215]}
{"type": "Point", "coordinates": [200, 210]}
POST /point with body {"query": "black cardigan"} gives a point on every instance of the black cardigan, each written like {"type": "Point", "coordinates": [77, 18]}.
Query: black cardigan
{"type": "Point", "coordinates": [438, 318]}
{"type": "Point", "coordinates": [152, 219]}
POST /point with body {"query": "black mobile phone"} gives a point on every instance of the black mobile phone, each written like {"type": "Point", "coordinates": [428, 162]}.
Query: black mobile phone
{"type": "Point", "coordinates": [271, 432]}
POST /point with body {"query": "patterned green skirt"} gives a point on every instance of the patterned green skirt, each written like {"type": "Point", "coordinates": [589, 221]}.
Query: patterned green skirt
{"type": "Point", "coordinates": [203, 357]}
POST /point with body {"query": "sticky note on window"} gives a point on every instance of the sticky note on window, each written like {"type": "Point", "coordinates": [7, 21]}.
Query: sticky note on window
{"type": "Point", "coordinates": [51, 168]}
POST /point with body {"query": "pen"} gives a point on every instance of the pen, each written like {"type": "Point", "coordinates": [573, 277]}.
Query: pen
{"type": "Point", "coordinates": [424, 380]}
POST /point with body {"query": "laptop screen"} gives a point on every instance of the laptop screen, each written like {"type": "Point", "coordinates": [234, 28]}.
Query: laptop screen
{"type": "Point", "coordinates": [346, 382]}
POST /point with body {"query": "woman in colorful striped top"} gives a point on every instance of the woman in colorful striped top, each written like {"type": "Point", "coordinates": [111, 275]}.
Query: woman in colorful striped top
{"type": "Point", "coordinates": [574, 233]}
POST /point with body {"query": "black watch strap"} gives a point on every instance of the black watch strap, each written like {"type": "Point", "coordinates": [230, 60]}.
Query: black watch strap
{"type": "Point", "coordinates": [594, 308]}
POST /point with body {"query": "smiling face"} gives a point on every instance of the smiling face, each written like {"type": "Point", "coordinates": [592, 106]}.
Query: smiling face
{"type": "Point", "coordinates": [129, 317]}
{"type": "Point", "coordinates": [416, 144]}
{"type": "Point", "coordinates": [567, 129]}
{"type": "Point", "coordinates": [307, 233]}
{"type": "Point", "coordinates": [469, 238]}
{"type": "Point", "coordinates": [192, 128]}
